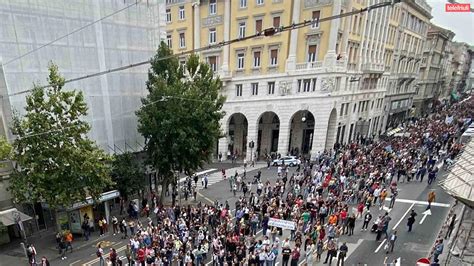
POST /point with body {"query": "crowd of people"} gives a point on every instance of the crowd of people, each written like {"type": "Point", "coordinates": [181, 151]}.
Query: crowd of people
{"type": "Point", "coordinates": [325, 198]}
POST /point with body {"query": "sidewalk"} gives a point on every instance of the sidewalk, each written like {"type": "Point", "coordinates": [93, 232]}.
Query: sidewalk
{"type": "Point", "coordinates": [45, 241]}
{"type": "Point", "coordinates": [45, 244]}
{"type": "Point", "coordinates": [460, 248]}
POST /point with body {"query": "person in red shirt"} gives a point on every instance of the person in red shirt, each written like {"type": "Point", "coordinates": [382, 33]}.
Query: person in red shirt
{"type": "Point", "coordinates": [360, 209]}
{"type": "Point", "coordinates": [113, 257]}
{"type": "Point", "coordinates": [141, 256]}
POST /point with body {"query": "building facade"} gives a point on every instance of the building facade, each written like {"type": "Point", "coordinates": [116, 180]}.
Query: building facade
{"type": "Point", "coordinates": [303, 90]}
{"type": "Point", "coordinates": [432, 83]}
{"type": "Point", "coordinates": [121, 33]}
{"type": "Point", "coordinates": [131, 33]}
{"type": "Point", "coordinates": [410, 25]}
{"type": "Point", "coordinates": [461, 65]}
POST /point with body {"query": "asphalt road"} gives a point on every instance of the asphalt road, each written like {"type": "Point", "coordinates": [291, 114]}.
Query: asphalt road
{"type": "Point", "coordinates": [363, 249]}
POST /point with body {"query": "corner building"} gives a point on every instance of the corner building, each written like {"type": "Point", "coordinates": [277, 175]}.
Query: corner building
{"type": "Point", "coordinates": [298, 91]}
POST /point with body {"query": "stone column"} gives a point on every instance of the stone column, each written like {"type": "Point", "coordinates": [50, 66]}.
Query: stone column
{"type": "Point", "coordinates": [223, 147]}
{"type": "Point", "coordinates": [252, 135]}
{"type": "Point", "coordinates": [330, 58]}
{"type": "Point", "coordinates": [319, 136]}
{"type": "Point", "coordinates": [291, 61]}
{"type": "Point", "coordinates": [284, 136]}
{"type": "Point", "coordinates": [225, 59]}
{"type": "Point", "coordinates": [197, 25]}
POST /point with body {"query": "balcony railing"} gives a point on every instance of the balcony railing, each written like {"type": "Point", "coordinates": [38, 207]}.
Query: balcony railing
{"type": "Point", "coordinates": [372, 67]}
{"type": "Point", "coordinates": [309, 65]}
{"type": "Point", "coordinates": [340, 63]}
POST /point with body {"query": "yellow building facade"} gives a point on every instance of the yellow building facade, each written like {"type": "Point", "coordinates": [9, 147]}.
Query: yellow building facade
{"type": "Point", "coordinates": [297, 91]}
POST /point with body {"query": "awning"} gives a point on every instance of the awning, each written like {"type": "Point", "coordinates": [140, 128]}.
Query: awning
{"type": "Point", "coordinates": [11, 216]}
{"type": "Point", "coordinates": [394, 131]}
{"type": "Point", "coordinates": [460, 180]}
{"type": "Point", "coordinates": [103, 197]}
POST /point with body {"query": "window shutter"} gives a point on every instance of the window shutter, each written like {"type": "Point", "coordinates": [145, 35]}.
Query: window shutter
{"type": "Point", "coordinates": [274, 53]}
{"type": "Point", "coordinates": [258, 25]}
{"type": "Point", "coordinates": [276, 22]}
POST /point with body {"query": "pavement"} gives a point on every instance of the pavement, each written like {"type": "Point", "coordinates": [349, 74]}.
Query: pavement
{"type": "Point", "coordinates": [460, 246]}
{"type": "Point", "coordinates": [45, 242]}
{"type": "Point", "coordinates": [363, 249]}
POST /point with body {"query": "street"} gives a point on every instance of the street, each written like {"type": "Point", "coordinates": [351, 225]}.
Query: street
{"type": "Point", "coordinates": [363, 249]}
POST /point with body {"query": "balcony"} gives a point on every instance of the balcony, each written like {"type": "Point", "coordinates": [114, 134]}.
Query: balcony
{"type": "Point", "coordinates": [372, 68]}
{"type": "Point", "coordinates": [309, 65]}
{"type": "Point", "coordinates": [341, 63]}
{"type": "Point", "coordinates": [403, 53]}
{"type": "Point", "coordinates": [411, 54]}
{"type": "Point", "coordinates": [407, 76]}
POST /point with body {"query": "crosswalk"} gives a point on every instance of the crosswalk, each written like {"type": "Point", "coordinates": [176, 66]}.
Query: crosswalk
{"type": "Point", "coordinates": [215, 175]}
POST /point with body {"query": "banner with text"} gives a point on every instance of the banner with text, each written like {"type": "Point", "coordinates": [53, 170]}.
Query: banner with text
{"type": "Point", "coordinates": [282, 223]}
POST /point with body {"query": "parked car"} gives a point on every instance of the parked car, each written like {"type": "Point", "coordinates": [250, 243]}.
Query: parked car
{"type": "Point", "coordinates": [287, 160]}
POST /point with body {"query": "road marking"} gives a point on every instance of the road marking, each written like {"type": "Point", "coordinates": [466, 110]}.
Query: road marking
{"type": "Point", "coordinates": [198, 174]}
{"type": "Point", "coordinates": [74, 262]}
{"type": "Point", "coordinates": [380, 246]}
{"type": "Point", "coordinates": [403, 217]}
{"type": "Point", "coordinates": [425, 213]}
{"type": "Point", "coordinates": [97, 259]}
{"type": "Point", "coordinates": [118, 243]}
{"type": "Point", "coordinates": [438, 204]}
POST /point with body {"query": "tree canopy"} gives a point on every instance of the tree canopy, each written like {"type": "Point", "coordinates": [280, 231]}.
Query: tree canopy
{"type": "Point", "coordinates": [56, 162]}
{"type": "Point", "coordinates": [128, 174]}
{"type": "Point", "coordinates": [5, 149]}
{"type": "Point", "coordinates": [180, 116]}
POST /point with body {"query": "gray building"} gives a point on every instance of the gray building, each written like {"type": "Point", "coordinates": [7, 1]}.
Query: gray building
{"type": "Point", "coordinates": [129, 36]}
{"type": "Point", "coordinates": [432, 69]}
{"type": "Point", "coordinates": [122, 32]}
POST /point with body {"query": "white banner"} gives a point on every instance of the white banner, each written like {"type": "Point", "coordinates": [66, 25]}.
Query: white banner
{"type": "Point", "coordinates": [282, 223]}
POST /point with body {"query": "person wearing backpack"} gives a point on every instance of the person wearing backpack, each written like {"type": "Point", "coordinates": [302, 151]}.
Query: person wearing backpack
{"type": "Point", "coordinates": [100, 254]}
{"type": "Point", "coordinates": [31, 253]}
{"type": "Point", "coordinates": [295, 256]}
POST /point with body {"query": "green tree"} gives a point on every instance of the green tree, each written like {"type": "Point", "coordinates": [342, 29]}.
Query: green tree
{"type": "Point", "coordinates": [180, 116]}
{"type": "Point", "coordinates": [5, 149]}
{"type": "Point", "coordinates": [56, 162]}
{"type": "Point", "coordinates": [128, 174]}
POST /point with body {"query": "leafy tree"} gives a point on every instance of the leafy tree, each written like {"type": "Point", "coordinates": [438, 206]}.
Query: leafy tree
{"type": "Point", "coordinates": [180, 116]}
{"type": "Point", "coordinates": [5, 149]}
{"type": "Point", "coordinates": [128, 174]}
{"type": "Point", "coordinates": [56, 162]}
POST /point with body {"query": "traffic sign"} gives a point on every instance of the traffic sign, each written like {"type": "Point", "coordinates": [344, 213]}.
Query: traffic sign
{"type": "Point", "coordinates": [423, 262]}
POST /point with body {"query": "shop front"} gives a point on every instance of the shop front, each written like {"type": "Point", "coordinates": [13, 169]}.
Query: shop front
{"type": "Point", "coordinates": [72, 218]}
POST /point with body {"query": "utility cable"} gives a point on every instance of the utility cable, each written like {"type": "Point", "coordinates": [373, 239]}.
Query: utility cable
{"type": "Point", "coordinates": [72, 32]}
{"type": "Point", "coordinates": [266, 32]}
